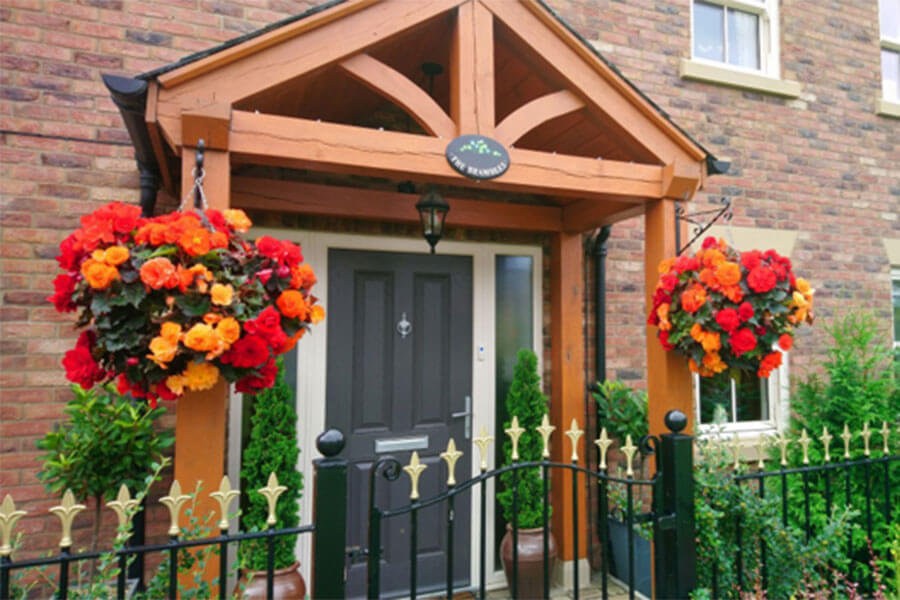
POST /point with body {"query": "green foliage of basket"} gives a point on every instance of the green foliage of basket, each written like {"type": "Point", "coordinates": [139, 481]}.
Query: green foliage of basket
{"type": "Point", "coordinates": [526, 401]}
{"type": "Point", "coordinates": [272, 447]}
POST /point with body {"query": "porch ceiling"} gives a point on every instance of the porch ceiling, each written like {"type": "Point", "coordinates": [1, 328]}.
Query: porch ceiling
{"type": "Point", "coordinates": [344, 92]}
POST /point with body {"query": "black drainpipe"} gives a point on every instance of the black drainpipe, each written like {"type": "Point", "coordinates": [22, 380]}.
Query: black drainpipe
{"type": "Point", "coordinates": [130, 96]}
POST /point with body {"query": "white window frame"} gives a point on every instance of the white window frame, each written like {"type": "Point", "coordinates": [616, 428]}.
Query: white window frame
{"type": "Point", "coordinates": [767, 78]}
{"type": "Point", "coordinates": [887, 106]}
{"type": "Point", "coordinates": [778, 390]}
{"type": "Point", "coordinates": [895, 276]}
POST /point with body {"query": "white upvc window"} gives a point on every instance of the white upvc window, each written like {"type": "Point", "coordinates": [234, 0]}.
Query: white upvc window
{"type": "Point", "coordinates": [751, 405]}
{"type": "Point", "coordinates": [889, 18]}
{"type": "Point", "coordinates": [895, 295]}
{"type": "Point", "coordinates": [740, 34]}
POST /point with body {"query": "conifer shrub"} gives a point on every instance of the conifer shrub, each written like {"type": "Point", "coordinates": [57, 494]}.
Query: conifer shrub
{"type": "Point", "coordinates": [526, 401]}
{"type": "Point", "coordinates": [272, 447]}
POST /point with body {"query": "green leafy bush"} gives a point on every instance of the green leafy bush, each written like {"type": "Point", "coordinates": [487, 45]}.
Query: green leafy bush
{"type": "Point", "coordinates": [860, 386]}
{"type": "Point", "coordinates": [525, 401]}
{"type": "Point", "coordinates": [272, 447]}
{"type": "Point", "coordinates": [108, 440]}
{"type": "Point", "coordinates": [622, 410]}
{"type": "Point", "coordinates": [721, 504]}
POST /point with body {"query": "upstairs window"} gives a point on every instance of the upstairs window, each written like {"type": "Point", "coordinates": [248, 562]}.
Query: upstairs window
{"type": "Point", "coordinates": [737, 33]}
{"type": "Point", "coordinates": [889, 16]}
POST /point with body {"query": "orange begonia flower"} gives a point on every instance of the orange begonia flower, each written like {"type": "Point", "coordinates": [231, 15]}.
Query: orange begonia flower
{"type": "Point", "coordinates": [237, 219]}
{"type": "Point", "coordinates": [728, 273]}
{"type": "Point", "coordinates": [220, 294]}
{"type": "Point", "coordinates": [201, 338]}
{"type": "Point", "coordinates": [195, 241]}
{"type": "Point", "coordinates": [200, 376]}
{"type": "Point", "coordinates": [713, 362]}
{"type": "Point", "coordinates": [170, 331]}
{"type": "Point", "coordinates": [711, 342]}
{"type": "Point", "coordinates": [229, 330]}
{"type": "Point", "coordinates": [212, 318]}
{"type": "Point", "coordinates": [158, 273]}
{"type": "Point", "coordinates": [708, 278]}
{"type": "Point", "coordinates": [292, 304]}
{"type": "Point", "coordinates": [697, 332]}
{"type": "Point", "coordinates": [302, 276]}
{"type": "Point", "coordinates": [217, 239]}
{"type": "Point", "coordinates": [97, 274]}
{"type": "Point", "coordinates": [176, 384]}
{"type": "Point", "coordinates": [292, 341]}
{"type": "Point", "coordinates": [803, 285]}
{"type": "Point", "coordinates": [712, 258]}
{"type": "Point", "coordinates": [662, 311]}
{"type": "Point", "coordinates": [116, 255]}
{"type": "Point", "coordinates": [316, 314]}
{"type": "Point", "coordinates": [162, 350]}
{"type": "Point", "coordinates": [733, 293]}
{"type": "Point", "coordinates": [693, 299]}
{"type": "Point", "coordinates": [666, 266]}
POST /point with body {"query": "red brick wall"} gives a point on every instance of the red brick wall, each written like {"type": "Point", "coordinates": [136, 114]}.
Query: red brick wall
{"type": "Point", "coordinates": [823, 164]}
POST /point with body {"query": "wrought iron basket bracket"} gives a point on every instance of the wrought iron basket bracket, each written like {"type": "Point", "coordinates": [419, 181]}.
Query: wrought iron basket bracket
{"type": "Point", "coordinates": [725, 213]}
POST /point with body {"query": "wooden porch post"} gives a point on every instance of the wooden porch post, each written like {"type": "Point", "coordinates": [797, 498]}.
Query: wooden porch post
{"type": "Point", "coordinates": [201, 417]}
{"type": "Point", "coordinates": [568, 391]}
{"type": "Point", "coordinates": [668, 376]}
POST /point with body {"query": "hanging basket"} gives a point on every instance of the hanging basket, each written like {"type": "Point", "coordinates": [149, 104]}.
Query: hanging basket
{"type": "Point", "coordinates": [171, 303]}
{"type": "Point", "coordinates": [729, 310]}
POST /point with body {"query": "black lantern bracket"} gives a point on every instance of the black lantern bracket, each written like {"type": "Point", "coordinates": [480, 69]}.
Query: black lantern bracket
{"type": "Point", "coordinates": [696, 219]}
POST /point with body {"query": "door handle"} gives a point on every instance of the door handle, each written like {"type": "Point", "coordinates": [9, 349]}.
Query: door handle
{"type": "Point", "coordinates": [467, 415]}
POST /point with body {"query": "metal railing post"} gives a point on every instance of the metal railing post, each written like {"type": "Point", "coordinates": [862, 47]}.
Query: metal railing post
{"type": "Point", "coordinates": [330, 514]}
{"type": "Point", "coordinates": [675, 551]}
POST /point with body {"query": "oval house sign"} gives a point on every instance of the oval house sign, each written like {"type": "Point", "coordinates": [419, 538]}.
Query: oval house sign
{"type": "Point", "coordinates": [478, 156]}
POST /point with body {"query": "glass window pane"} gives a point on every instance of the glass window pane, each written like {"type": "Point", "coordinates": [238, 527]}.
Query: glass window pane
{"type": "Point", "coordinates": [709, 32]}
{"type": "Point", "coordinates": [890, 75]}
{"type": "Point", "coordinates": [889, 13]}
{"type": "Point", "coordinates": [743, 39]}
{"type": "Point", "coordinates": [752, 404]}
{"type": "Point", "coordinates": [896, 294]}
{"type": "Point", "coordinates": [715, 392]}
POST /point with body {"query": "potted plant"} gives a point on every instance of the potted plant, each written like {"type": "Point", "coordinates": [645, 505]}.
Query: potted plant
{"type": "Point", "coordinates": [729, 310]}
{"type": "Point", "coordinates": [271, 448]}
{"type": "Point", "coordinates": [107, 441]}
{"type": "Point", "coordinates": [172, 303]}
{"type": "Point", "coordinates": [528, 404]}
{"type": "Point", "coordinates": [622, 410]}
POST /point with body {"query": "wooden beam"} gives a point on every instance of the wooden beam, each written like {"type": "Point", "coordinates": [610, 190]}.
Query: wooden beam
{"type": "Point", "coordinates": [287, 141]}
{"type": "Point", "coordinates": [668, 376]}
{"type": "Point", "coordinates": [211, 123]}
{"type": "Point", "coordinates": [605, 90]}
{"type": "Point", "coordinates": [472, 71]}
{"type": "Point", "coordinates": [567, 400]}
{"type": "Point", "coordinates": [249, 70]}
{"type": "Point", "coordinates": [680, 181]}
{"type": "Point", "coordinates": [397, 88]}
{"type": "Point", "coordinates": [483, 38]}
{"type": "Point", "coordinates": [155, 134]}
{"type": "Point", "coordinates": [585, 215]}
{"type": "Point", "coordinates": [200, 417]}
{"type": "Point", "coordinates": [361, 203]}
{"type": "Point", "coordinates": [535, 113]}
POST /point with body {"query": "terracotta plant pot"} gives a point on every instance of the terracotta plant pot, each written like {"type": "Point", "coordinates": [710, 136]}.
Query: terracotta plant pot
{"type": "Point", "coordinates": [289, 584]}
{"type": "Point", "coordinates": [531, 560]}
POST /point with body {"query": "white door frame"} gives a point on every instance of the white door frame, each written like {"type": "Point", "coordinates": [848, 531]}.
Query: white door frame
{"type": "Point", "coordinates": [312, 352]}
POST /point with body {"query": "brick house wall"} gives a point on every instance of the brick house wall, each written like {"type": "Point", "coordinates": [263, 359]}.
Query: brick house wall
{"type": "Point", "coordinates": [823, 164]}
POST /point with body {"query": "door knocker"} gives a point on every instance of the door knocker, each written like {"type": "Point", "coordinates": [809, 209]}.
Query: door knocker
{"type": "Point", "coordinates": [404, 327]}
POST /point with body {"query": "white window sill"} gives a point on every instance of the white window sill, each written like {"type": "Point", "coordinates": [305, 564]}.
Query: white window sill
{"type": "Point", "coordinates": [724, 75]}
{"type": "Point", "coordinates": [888, 108]}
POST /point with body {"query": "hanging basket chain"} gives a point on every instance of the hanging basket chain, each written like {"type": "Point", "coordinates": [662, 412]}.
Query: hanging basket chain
{"type": "Point", "coordinates": [195, 198]}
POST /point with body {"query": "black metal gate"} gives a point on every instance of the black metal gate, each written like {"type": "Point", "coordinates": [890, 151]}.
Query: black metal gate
{"type": "Point", "coordinates": [671, 514]}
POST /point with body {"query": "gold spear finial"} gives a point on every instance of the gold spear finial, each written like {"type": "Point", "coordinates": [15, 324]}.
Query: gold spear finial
{"type": "Point", "coordinates": [866, 435]}
{"type": "Point", "coordinates": [8, 517]}
{"type": "Point", "coordinates": [783, 442]}
{"type": "Point", "coordinates": [846, 436]}
{"type": "Point", "coordinates": [574, 434]}
{"type": "Point", "coordinates": [804, 443]}
{"type": "Point", "coordinates": [224, 496]}
{"type": "Point", "coordinates": [272, 490]}
{"type": "Point", "coordinates": [735, 446]}
{"type": "Point", "coordinates": [603, 442]}
{"type": "Point", "coordinates": [761, 451]}
{"type": "Point", "coordinates": [174, 502]}
{"type": "Point", "coordinates": [514, 432]}
{"type": "Point", "coordinates": [414, 469]}
{"type": "Point", "coordinates": [628, 450]}
{"type": "Point", "coordinates": [483, 442]}
{"type": "Point", "coordinates": [66, 513]}
{"type": "Point", "coordinates": [545, 429]}
{"type": "Point", "coordinates": [885, 437]}
{"type": "Point", "coordinates": [826, 441]}
{"type": "Point", "coordinates": [123, 506]}
{"type": "Point", "coordinates": [451, 455]}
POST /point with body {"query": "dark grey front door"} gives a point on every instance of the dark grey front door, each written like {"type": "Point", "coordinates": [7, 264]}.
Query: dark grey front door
{"type": "Point", "coordinates": [399, 366]}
